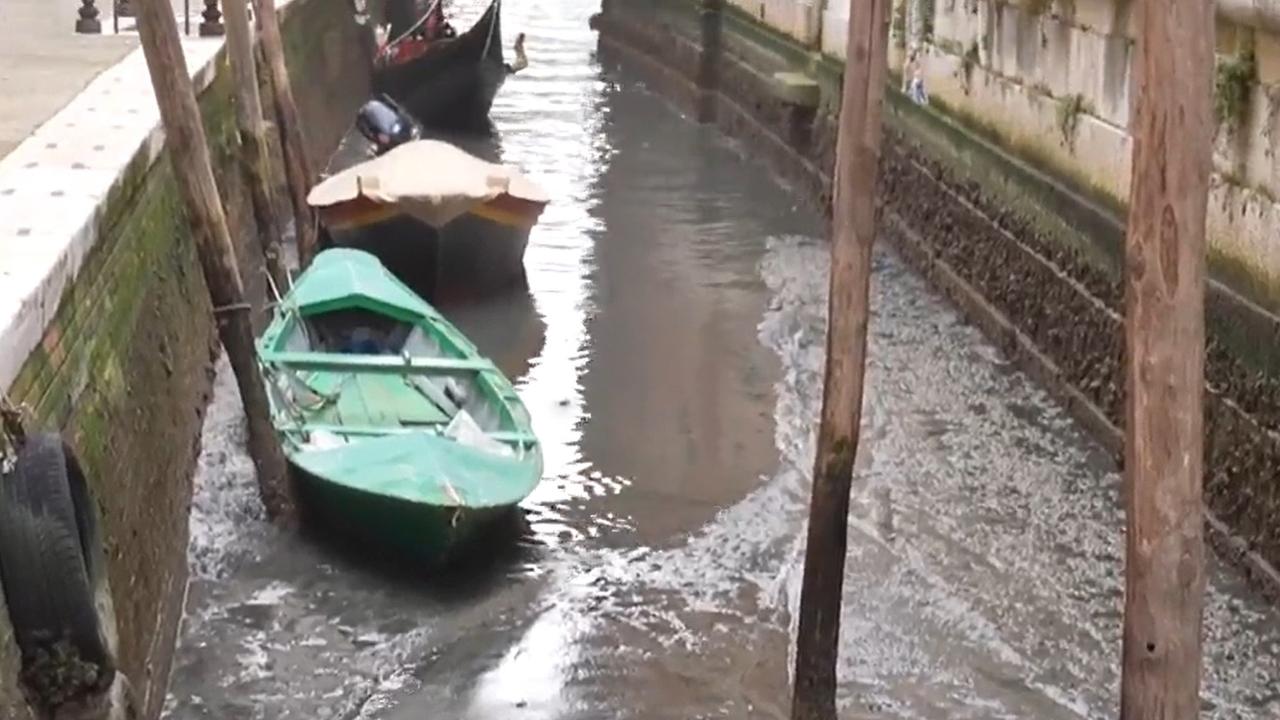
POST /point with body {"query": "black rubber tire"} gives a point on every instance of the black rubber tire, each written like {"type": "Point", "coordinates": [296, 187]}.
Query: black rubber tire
{"type": "Point", "coordinates": [48, 552]}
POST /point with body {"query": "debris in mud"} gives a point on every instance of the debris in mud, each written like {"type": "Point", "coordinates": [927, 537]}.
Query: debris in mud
{"type": "Point", "coordinates": [56, 674]}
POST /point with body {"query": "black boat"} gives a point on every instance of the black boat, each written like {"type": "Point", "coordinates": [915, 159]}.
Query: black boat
{"type": "Point", "coordinates": [470, 256]}
{"type": "Point", "coordinates": [446, 82]}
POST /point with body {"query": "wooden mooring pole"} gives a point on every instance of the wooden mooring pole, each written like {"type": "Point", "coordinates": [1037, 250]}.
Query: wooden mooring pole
{"type": "Point", "coordinates": [189, 152]}
{"type": "Point", "coordinates": [1173, 130]}
{"type": "Point", "coordinates": [296, 166]}
{"type": "Point", "coordinates": [848, 309]}
{"type": "Point", "coordinates": [253, 134]}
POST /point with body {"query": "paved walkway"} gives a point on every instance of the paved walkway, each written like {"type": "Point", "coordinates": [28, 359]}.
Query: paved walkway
{"type": "Point", "coordinates": [44, 63]}
{"type": "Point", "coordinates": [75, 111]}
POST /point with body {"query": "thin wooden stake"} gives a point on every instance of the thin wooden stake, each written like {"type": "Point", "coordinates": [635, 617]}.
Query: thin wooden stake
{"type": "Point", "coordinates": [296, 165]}
{"type": "Point", "coordinates": [854, 226]}
{"type": "Point", "coordinates": [253, 132]}
{"type": "Point", "coordinates": [189, 153]}
{"type": "Point", "coordinates": [1164, 311]}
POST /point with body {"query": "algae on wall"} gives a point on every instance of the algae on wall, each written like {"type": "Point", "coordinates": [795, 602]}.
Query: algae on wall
{"type": "Point", "coordinates": [125, 365]}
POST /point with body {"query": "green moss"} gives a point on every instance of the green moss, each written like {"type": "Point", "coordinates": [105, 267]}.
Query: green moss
{"type": "Point", "coordinates": [1245, 276]}
{"type": "Point", "coordinates": [976, 155]}
{"type": "Point", "coordinates": [969, 62]}
{"type": "Point", "coordinates": [1030, 152]}
{"type": "Point", "coordinates": [1232, 87]}
{"type": "Point", "coordinates": [949, 46]}
{"type": "Point", "coordinates": [1069, 110]}
{"type": "Point", "coordinates": [1037, 7]}
{"type": "Point", "coordinates": [898, 26]}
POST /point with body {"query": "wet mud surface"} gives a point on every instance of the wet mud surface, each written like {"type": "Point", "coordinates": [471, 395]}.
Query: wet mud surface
{"type": "Point", "coordinates": [669, 346]}
{"type": "Point", "coordinates": [1072, 312]}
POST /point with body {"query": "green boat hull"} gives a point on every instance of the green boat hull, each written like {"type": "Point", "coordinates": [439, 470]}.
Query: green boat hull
{"type": "Point", "coordinates": [432, 535]}
{"type": "Point", "coordinates": [398, 431]}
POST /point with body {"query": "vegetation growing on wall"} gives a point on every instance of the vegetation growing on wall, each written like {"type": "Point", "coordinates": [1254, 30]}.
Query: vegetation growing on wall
{"type": "Point", "coordinates": [1038, 7]}
{"type": "Point", "coordinates": [1069, 111]}
{"type": "Point", "coordinates": [899, 25]}
{"type": "Point", "coordinates": [968, 62]}
{"type": "Point", "coordinates": [1232, 85]}
{"type": "Point", "coordinates": [1273, 116]}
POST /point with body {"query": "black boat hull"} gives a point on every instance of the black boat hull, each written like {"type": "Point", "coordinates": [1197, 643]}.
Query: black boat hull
{"type": "Point", "coordinates": [453, 85]}
{"type": "Point", "coordinates": [469, 258]}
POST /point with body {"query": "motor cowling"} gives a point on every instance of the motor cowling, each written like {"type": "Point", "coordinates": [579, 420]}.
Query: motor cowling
{"type": "Point", "coordinates": [385, 125]}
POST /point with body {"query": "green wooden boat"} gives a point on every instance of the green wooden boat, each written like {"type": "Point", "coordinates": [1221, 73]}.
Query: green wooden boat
{"type": "Point", "coordinates": [397, 429]}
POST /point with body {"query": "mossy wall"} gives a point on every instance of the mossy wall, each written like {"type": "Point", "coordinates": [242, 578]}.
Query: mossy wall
{"type": "Point", "coordinates": [125, 368]}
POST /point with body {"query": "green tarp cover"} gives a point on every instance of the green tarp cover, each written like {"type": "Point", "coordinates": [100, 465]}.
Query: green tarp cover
{"type": "Point", "coordinates": [341, 277]}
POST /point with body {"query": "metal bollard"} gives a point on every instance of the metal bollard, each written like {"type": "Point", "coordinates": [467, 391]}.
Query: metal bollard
{"type": "Point", "coordinates": [88, 22]}
{"type": "Point", "coordinates": [212, 25]}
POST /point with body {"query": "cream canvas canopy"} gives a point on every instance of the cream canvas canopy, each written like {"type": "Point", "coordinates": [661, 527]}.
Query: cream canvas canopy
{"type": "Point", "coordinates": [428, 179]}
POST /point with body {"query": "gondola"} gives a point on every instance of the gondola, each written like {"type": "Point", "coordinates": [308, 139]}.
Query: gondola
{"type": "Point", "coordinates": [446, 82]}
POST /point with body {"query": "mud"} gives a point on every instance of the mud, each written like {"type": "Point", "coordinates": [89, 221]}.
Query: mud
{"type": "Point", "coordinates": [1070, 310]}
{"type": "Point", "coordinates": [1068, 307]}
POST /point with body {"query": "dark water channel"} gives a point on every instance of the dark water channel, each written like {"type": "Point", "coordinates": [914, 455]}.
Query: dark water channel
{"type": "Point", "coordinates": [668, 346]}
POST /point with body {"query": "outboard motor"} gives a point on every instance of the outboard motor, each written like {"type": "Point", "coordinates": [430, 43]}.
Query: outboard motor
{"type": "Point", "coordinates": [386, 125]}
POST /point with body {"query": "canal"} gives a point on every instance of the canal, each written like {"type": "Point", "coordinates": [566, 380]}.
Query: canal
{"type": "Point", "coordinates": [669, 347]}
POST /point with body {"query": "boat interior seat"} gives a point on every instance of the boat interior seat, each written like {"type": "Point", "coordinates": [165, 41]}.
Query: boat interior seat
{"type": "Point", "coordinates": [374, 400]}
{"type": "Point", "coordinates": [357, 332]}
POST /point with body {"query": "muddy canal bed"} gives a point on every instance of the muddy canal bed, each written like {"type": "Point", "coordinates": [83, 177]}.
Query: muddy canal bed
{"type": "Point", "coordinates": [669, 346]}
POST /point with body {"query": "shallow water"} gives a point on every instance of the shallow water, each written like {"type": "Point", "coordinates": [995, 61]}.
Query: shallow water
{"type": "Point", "coordinates": [669, 347]}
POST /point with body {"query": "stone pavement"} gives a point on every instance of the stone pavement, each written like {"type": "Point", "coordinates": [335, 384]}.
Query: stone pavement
{"type": "Point", "coordinates": [44, 63]}
{"type": "Point", "coordinates": [75, 111]}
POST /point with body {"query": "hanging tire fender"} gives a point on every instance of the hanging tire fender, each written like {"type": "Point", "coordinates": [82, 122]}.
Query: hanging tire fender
{"type": "Point", "coordinates": [52, 567]}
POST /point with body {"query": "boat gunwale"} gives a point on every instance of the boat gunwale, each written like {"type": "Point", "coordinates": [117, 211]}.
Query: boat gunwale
{"type": "Point", "coordinates": [494, 383]}
{"type": "Point", "coordinates": [452, 50]}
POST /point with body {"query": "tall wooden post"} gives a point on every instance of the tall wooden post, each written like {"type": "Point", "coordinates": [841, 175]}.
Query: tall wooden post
{"type": "Point", "coordinates": [1164, 307]}
{"type": "Point", "coordinates": [253, 133]}
{"type": "Point", "coordinates": [854, 226]}
{"type": "Point", "coordinates": [296, 166]}
{"type": "Point", "coordinates": [189, 153]}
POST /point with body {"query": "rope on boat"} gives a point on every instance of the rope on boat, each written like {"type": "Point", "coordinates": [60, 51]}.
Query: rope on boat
{"type": "Point", "coordinates": [493, 25]}
{"type": "Point", "coordinates": [234, 307]}
{"type": "Point", "coordinates": [431, 8]}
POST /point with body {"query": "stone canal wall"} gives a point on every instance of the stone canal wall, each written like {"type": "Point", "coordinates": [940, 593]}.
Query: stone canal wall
{"type": "Point", "coordinates": [106, 331]}
{"type": "Point", "coordinates": [1030, 250]}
